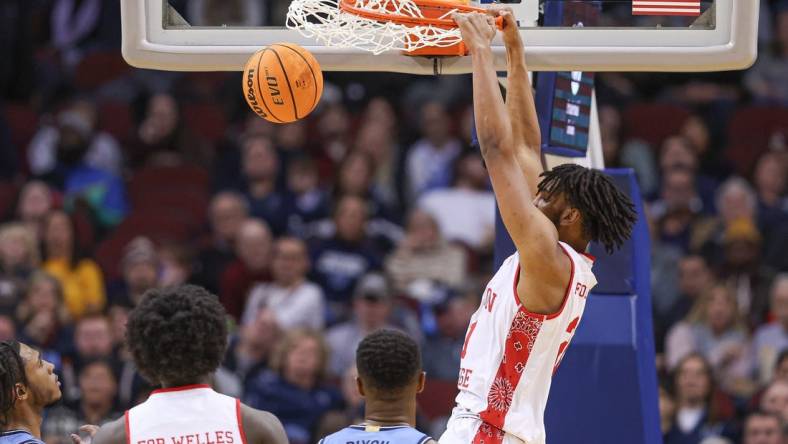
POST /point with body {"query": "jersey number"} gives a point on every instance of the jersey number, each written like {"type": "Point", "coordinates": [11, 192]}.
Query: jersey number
{"type": "Point", "coordinates": [562, 348]}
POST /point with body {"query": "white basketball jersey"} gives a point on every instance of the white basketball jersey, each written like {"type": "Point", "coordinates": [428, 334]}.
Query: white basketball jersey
{"type": "Point", "coordinates": [192, 414]}
{"type": "Point", "coordinates": [510, 354]}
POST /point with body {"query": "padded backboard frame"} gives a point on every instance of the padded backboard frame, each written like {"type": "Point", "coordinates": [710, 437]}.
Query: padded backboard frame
{"type": "Point", "coordinates": [732, 44]}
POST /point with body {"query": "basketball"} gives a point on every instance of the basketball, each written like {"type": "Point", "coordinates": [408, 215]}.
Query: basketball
{"type": "Point", "coordinates": [282, 82]}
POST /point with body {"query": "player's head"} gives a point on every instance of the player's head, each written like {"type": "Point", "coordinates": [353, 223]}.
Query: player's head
{"type": "Point", "coordinates": [177, 335]}
{"type": "Point", "coordinates": [584, 204]}
{"type": "Point", "coordinates": [389, 367]}
{"type": "Point", "coordinates": [27, 382]}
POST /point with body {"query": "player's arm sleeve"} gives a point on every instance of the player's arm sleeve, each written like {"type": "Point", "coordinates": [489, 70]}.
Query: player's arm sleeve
{"type": "Point", "coordinates": [530, 230]}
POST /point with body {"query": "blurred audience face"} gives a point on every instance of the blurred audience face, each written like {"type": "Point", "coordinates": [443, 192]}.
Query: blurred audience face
{"type": "Point", "coordinates": [43, 294]}
{"type": "Point", "coordinates": [302, 177]}
{"type": "Point", "coordinates": [375, 140]}
{"type": "Point", "coordinates": [697, 133]}
{"type": "Point", "coordinates": [775, 399]}
{"type": "Point", "coordinates": [93, 338]}
{"type": "Point", "coordinates": [333, 124]}
{"type": "Point", "coordinates": [678, 188]}
{"type": "Point", "coordinates": [720, 309]}
{"type": "Point", "coordinates": [260, 334]}
{"type": "Point", "coordinates": [227, 213]}
{"type": "Point", "coordinates": [610, 129]}
{"type": "Point", "coordinates": [454, 318]}
{"type": "Point", "coordinates": [736, 200]}
{"type": "Point", "coordinates": [770, 177]}
{"type": "Point", "coordinates": [351, 218]}
{"type": "Point", "coordinates": [97, 385]}
{"type": "Point", "coordinates": [371, 313]}
{"type": "Point", "coordinates": [435, 123]}
{"type": "Point", "coordinates": [7, 328]}
{"type": "Point", "coordinates": [380, 112]}
{"type": "Point", "coordinates": [17, 247]}
{"type": "Point", "coordinates": [779, 296]}
{"type": "Point", "coordinates": [422, 231]}
{"type": "Point", "coordinates": [253, 245]}
{"type": "Point", "coordinates": [118, 318]}
{"type": "Point", "coordinates": [302, 363]}
{"type": "Point", "coordinates": [291, 261]}
{"type": "Point", "coordinates": [259, 159]}
{"type": "Point", "coordinates": [291, 136]}
{"type": "Point", "coordinates": [692, 382]}
{"type": "Point", "coordinates": [355, 175]}
{"type": "Point", "coordinates": [140, 276]}
{"type": "Point", "coordinates": [161, 118]}
{"type": "Point", "coordinates": [471, 172]}
{"type": "Point", "coordinates": [694, 276]}
{"type": "Point", "coordinates": [58, 235]}
{"type": "Point", "coordinates": [176, 264]}
{"type": "Point", "coordinates": [35, 201]}
{"type": "Point", "coordinates": [763, 429]}
{"type": "Point", "coordinates": [677, 153]}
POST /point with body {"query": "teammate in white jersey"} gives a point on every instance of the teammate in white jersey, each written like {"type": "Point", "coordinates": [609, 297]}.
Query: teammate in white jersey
{"type": "Point", "coordinates": [535, 301]}
{"type": "Point", "coordinates": [177, 337]}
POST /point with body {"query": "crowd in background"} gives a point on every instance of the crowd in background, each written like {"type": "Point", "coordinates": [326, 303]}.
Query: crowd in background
{"type": "Point", "coordinates": [376, 211]}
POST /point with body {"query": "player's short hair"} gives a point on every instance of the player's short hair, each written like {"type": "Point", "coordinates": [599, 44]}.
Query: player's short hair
{"type": "Point", "coordinates": [608, 214]}
{"type": "Point", "coordinates": [12, 372]}
{"type": "Point", "coordinates": [177, 334]}
{"type": "Point", "coordinates": [388, 360]}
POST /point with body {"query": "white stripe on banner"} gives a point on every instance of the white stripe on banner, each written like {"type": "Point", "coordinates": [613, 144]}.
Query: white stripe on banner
{"type": "Point", "coordinates": [667, 10]}
{"type": "Point", "coordinates": [664, 3]}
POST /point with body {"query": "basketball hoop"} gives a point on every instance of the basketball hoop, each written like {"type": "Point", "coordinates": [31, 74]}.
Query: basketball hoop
{"type": "Point", "coordinates": [417, 27]}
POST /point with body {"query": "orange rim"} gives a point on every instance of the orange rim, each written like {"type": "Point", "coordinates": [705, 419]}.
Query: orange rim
{"type": "Point", "coordinates": [431, 7]}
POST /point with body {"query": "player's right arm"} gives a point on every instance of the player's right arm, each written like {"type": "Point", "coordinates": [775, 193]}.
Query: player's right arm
{"type": "Point", "coordinates": [262, 427]}
{"type": "Point", "coordinates": [535, 237]}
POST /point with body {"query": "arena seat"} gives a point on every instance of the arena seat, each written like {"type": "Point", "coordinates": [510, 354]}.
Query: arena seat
{"type": "Point", "coordinates": [639, 119]}
{"type": "Point", "coordinates": [437, 399]}
{"type": "Point", "coordinates": [749, 134]}
{"type": "Point", "coordinates": [8, 192]}
{"type": "Point", "coordinates": [98, 68]}
{"type": "Point", "coordinates": [115, 118]}
{"type": "Point", "coordinates": [156, 179]}
{"type": "Point", "coordinates": [207, 120]}
{"type": "Point", "coordinates": [193, 202]}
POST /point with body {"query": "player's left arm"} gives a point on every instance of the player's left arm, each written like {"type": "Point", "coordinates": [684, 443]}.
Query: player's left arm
{"type": "Point", "coordinates": [113, 432]}
{"type": "Point", "coordinates": [262, 427]}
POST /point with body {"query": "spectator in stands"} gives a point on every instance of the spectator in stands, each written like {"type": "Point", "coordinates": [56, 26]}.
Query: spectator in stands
{"type": "Point", "coordinates": [98, 390]}
{"type": "Point", "coordinates": [743, 271]}
{"type": "Point", "coordinates": [41, 314]}
{"type": "Point", "coordinates": [333, 136]}
{"type": "Point", "coordinates": [260, 165]}
{"type": "Point", "coordinates": [694, 279]}
{"type": "Point", "coordinates": [354, 178]}
{"type": "Point", "coordinates": [667, 410]}
{"type": "Point", "coordinates": [226, 13]}
{"type": "Point", "coordinates": [372, 307]}
{"type": "Point", "coordinates": [431, 157]}
{"type": "Point", "coordinates": [775, 399]}
{"type": "Point", "coordinates": [678, 209]}
{"type": "Point", "coordinates": [770, 178]}
{"type": "Point", "coordinates": [83, 283]}
{"type": "Point", "coordinates": [376, 138]}
{"type": "Point", "coordinates": [291, 143]}
{"type": "Point", "coordinates": [227, 212]}
{"type": "Point", "coordinates": [424, 255]}
{"type": "Point", "coordinates": [441, 352]}
{"type": "Point", "coordinates": [771, 339]}
{"type": "Point", "coordinates": [306, 201]}
{"type": "Point", "coordinates": [19, 257]}
{"type": "Point", "coordinates": [469, 195]}
{"type": "Point", "coordinates": [101, 149]}
{"type": "Point", "coordinates": [763, 428]}
{"type": "Point", "coordinates": [341, 258]}
{"type": "Point", "coordinates": [162, 137]}
{"type": "Point", "coordinates": [73, 25]}
{"type": "Point", "coordinates": [7, 328]}
{"type": "Point", "coordinates": [701, 411]}
{"type": "Point", "coordinates": [766, 79]}
{"type": "Point", "coordinates": [35, 202]}
{"type": "Point", "coordinates": [294, 390]}
{"type": "Point", "coordinates": [176, 264]}
{"type": "Point", "coordinates": [735, 200]}
{"type": "Point", "coordinates": [92, 340]}
{"type": "Point", "coordinates": [253, 248]}
{"type": "Point", "coordinates": [251, 347]}
{"type": "Point", "coordinates": [679, 152]}
{"type": "Point", "coordinates": [295, 301]}
{"type": "Point", "coordinates": [715, 329]}
{"type": "Point", "coordinates": [140, 267]}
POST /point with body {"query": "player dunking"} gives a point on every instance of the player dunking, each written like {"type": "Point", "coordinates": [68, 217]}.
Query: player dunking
{"type": "Point", "coordinates": [177, 337]}
{"type": "Point", "coordinates": [533, 304]}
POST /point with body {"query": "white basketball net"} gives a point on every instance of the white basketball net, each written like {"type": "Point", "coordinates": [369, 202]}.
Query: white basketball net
{"type": "Point", "coordinates": [324, 20]}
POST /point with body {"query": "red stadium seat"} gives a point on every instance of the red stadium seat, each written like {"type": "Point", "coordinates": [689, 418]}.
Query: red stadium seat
{"type": "Point", "coordinates": [8, 192]}
{"type": "Point", "coordinates": [23, 123]}
{"type": "Point", "coordinates": [437, 399]}
{"type": "Point", "coordinates": [749, 133]}
{"type": "Point", "coordinates": [98, 68]}
{"type": "Point", "coordinates": [206, 120]}
{"type": "Point", "coordinates": [157, 179]}
{"type": "Point", "coordinates": [193, 202]}
{"type": "Point", "coordinates": [115, 118]}
{"type": "Point", "coordinates": [640, 121]}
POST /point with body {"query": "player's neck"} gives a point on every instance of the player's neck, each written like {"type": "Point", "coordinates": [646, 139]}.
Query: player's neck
{"type": "Point", "coordinates": [24, 417]}
{"type": "Point", "coordinates": [203, 380]}
{"type": "Point", "coordinates": [389, 413]}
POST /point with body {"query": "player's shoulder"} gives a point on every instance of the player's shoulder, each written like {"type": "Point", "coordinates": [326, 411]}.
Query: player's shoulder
{"type": "Point", "coordinates": [113, 432]}
{"type": "Point", "coordinates": [261, 427]}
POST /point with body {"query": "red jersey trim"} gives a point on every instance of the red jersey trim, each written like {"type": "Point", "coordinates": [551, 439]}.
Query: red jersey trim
{"type": "Point", "coordinates": [128, 427]}
{"type": "Point", "coordinates": [566, 293]}
{"type": "Point", "coordinates": [180, 388]}
{"type": "Point", "coordinates": [590, 256]}
{"type": "Point", "coordinates": [240, 420]}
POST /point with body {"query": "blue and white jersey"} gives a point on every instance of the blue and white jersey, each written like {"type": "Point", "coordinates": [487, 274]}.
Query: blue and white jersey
{"type": "Point", "coordinates": [369, 434]}
{"type": "Point", "coordinates": [18, 437]}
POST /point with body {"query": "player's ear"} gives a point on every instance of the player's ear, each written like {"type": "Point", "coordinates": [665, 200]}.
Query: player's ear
{"type": "Point", "coordinates": [20, 391]}
{"type": "Point", "coordinates": [360, 386]}
{"type": "Point", "coordinates": [422, 382]}
{"type": "Point", "coordinates": [570, 216]}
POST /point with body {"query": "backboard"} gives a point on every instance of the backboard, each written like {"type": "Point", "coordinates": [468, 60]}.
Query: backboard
{"type": "Point", "coordinates": [623, 35]}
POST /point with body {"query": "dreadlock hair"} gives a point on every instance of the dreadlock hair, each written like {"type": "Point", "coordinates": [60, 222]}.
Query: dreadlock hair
{"type": "Point", "coordinates": [12, 372]}
{"type": "Point", "coordinates": [608, 214]}
{"type": "Point", "coordinates": [388, 360]}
